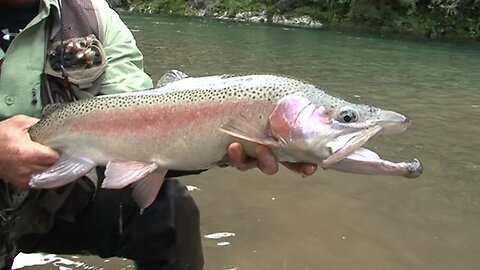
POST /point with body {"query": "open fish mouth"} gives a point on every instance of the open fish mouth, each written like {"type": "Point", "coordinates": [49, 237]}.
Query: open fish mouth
{"type": "Point", "coordinates": [346, 144]}
{"type": "Point", "coordinates": [348, 155]}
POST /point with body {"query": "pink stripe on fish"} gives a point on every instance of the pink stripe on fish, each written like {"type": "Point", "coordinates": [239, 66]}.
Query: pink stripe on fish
{"type": "Point", "coordinates": [152, 119]}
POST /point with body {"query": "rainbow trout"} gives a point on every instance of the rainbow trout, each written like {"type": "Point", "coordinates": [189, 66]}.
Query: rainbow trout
{"type": "Point", "coordinates": [188, 122]}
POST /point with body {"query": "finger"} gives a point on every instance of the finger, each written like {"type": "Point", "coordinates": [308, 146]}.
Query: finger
{"type": "Point", "coordinates": [267, 162]}
{"type": "Point", "coordinates": [21, 184]}
{"type": "Point", "coordinates": [308, 169]}
{"type": "Point", "coordinates": [305, 169]}
{"type": "Point", "coordinates": [25, 121]}
{"type": "Point", "coordinates": [24, 174]}
{"type": "Point", "coordinates": [238, 158]}
{"type": "Point", "coordinates": [28, 171]}
{"type": "Point", "coordinates": [294, 167]}
{"type": "Point", "coordinates": [38, 168]}
{"type": "Point", "coordinates": [43, 155]}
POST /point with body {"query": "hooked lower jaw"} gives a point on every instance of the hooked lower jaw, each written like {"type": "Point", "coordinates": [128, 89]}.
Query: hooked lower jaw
{"type": "Point", "coordinates": [364, 161]}
{"type": "Point", "coordinates": [361, 164]}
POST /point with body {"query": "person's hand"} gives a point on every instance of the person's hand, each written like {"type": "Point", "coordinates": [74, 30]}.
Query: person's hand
{"type": "Point", "coordinates": [265, 161]}
{"type": "Point", "coordinates": [20, 157]}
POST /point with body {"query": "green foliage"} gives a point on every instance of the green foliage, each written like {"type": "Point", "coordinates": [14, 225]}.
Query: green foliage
{"type": "Point", "coordinates": [325, 11]}
{"type": "Point", "coordinates": [433, 18]}
{"type": "Point", "coordinates": [448, 17]}
{"type": "Point", "coordinates": [176, 7]}
{"type": "Point", "coordinates": [232, 7]}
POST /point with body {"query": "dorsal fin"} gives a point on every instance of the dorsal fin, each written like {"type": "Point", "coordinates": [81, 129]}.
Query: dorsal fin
{"type": "Point", "coordinates": [50, 108]}
{"type": "Point", "coordinates": [171, 76]}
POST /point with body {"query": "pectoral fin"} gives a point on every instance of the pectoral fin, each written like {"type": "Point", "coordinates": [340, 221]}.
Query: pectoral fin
{"type": "Point", "coordinates": [242, 128]}
{"type": "Point", "coordinates": [120, 174]}
{"type": "Point", "coordinates": [68, 168]}
{"type": "Point", "coordinates": [145, 191]}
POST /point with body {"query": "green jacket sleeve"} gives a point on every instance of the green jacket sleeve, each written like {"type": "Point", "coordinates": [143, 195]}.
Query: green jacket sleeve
{"type": "Point", "coordinates": [124, 72]}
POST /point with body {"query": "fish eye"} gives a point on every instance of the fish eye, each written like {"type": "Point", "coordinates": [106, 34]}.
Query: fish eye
{"type": "Point", "coordinates": [348, 115]}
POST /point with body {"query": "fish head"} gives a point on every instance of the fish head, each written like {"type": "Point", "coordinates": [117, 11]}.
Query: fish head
{"type": "Point", "coordinates": [352, 116]}
{"type": "Point", "coordinates": [328, 129]}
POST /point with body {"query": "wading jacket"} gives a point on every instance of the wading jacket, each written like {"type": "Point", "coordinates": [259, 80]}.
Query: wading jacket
{"type": "Point", "coordinates": [23, 69]}
{"type": "Point", "coordinates": [24, 61]}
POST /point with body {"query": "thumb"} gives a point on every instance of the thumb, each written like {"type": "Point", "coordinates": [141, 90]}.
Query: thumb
{"type": "Point", "coordinates": [25, 121]}
{"type": "Point", "coordinates": [44, 155]}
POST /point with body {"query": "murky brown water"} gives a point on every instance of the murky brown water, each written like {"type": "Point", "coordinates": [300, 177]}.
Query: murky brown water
{"type": "Point", "coordinates": [334, 220]}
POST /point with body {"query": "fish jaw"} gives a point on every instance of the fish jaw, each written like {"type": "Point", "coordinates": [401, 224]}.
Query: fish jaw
{"type": "Point", "coordinates": [392, 122]}
{"type": "Point", "coordinates": [345, 144]}
{"type": "Point", "coordinates": [364, 161]}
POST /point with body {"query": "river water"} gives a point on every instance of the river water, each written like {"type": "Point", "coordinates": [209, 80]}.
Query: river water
{"type": "Point", "coordinates": [335, 220]}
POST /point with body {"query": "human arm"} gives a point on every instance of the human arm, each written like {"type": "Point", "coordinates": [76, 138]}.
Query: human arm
{"type": "Point", "coordinates": [20, 156]}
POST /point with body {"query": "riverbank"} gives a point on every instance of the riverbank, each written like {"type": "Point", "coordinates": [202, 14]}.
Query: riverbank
{"type": "Point", "coordinates": [242, 16]}
{"type": "Point", "coordinates": [412, 19]}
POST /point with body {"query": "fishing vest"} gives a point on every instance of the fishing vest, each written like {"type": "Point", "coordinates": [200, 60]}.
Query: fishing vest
{"type": "Point", "coordinates": [75, 59]}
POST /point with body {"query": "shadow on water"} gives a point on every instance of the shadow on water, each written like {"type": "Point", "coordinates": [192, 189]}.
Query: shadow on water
{"type": "Point", "coordinates": [333, 220]}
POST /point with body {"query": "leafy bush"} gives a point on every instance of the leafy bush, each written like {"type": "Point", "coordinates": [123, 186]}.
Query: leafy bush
{"type": "Point", "coordinates": [433, 18]}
